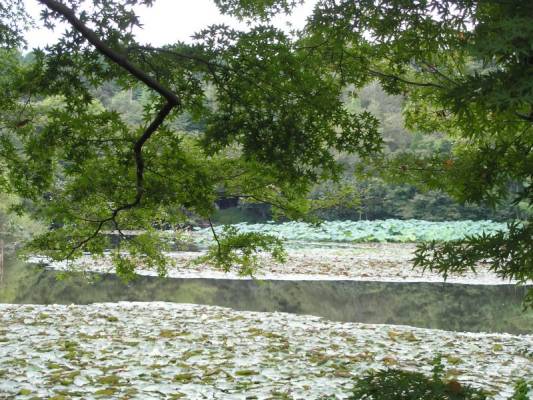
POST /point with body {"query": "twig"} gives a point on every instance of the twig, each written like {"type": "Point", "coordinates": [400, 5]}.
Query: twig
{"type": "Point", "coordinates": [215, 236]}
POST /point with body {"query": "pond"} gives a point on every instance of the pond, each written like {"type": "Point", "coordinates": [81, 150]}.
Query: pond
{"type": "Point", "coordinates": [474, 308]}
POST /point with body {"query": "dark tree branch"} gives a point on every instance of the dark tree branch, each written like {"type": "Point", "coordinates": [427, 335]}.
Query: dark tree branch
{"type": "Point", "coordinates": [434, 70]}
{"type": "Point", "coordinates": [211, 66]}
{"type": "Point", "coordinates": [384, 75]}
{"type": "Point", "coordinates": [177, 54]}
{"type": "Point", "coordinates": [108, 52]}
{"type": "Point", "coordinates": [156, 123]}
{"type": "Point", "coordinates": [172, 100]}
{"type": "Point", "coordinates": [406, 81]}
{"type": "Point", "coordinates": [528, 118]}
{"type": "Point", "coordinates": [215, 236]}
{"type": "Point", "coordinates": [83, 242]}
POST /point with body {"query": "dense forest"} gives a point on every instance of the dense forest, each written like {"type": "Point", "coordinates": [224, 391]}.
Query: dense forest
{"type": "Point", "coordinates": [353, 197]}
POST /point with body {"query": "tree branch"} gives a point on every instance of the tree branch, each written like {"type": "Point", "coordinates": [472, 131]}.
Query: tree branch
{"type": "Point", "coordinates": [211, 66]}
{"type": "Point", "coordinates": [528, 118]}
{"type": "Point", "coordinates": [174, 53]}
{"type": "Point", "coordinates": [172, 100]}
{"type": "Point", "coordinates": [406, 81]}
{"type": "Point", "coordinates": [137, 148]}
{"type": "Point", "coordinates": [381, 74]}
{"type": "Point", "coordinates": [108, 52]}
{"type": "Point", "coordinates": [215, 236]}
{"type": "Point", "coordinates": [139, 161]}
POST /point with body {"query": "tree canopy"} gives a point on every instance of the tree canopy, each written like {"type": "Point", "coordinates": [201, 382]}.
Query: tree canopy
{"type": "Point", "coordinates": [274, 121]}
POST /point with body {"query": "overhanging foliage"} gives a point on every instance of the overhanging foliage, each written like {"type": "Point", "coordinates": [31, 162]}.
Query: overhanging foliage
{"type": "Point", "coordinates": [274, 122]}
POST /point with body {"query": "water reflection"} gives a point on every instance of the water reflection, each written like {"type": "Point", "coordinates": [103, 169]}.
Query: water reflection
{"type": "Point", "coordinates": [450, 307]}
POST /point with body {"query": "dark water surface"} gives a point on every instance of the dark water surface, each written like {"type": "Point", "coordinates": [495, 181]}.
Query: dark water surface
{"type": "Point", "coordinates": [430, 305]}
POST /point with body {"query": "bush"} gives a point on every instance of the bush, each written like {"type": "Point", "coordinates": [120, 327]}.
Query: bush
{"type": "Point", "coordinates": [523, 390]}
{"type": "Point", "coordinates": [395, 384]}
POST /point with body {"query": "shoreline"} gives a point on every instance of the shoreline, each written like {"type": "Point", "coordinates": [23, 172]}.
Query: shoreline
{"type": "Point", "coordinates": [389, 262]}
{"type": "Point", "coordinates": [307, 278]}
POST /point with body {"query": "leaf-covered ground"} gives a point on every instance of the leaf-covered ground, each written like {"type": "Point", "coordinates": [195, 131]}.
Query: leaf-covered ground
{"type": "Point", "coordinates": [170, 351]}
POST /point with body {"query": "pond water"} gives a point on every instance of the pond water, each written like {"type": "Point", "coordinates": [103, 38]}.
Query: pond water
{"type": "Point", "coordinates": [475, 308]}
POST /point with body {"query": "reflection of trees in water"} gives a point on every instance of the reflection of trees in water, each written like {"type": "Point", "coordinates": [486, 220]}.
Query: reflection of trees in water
{"type": "Point", "coordinates": [449, 307]}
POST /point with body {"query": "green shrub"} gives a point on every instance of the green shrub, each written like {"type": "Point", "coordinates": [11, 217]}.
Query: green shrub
{"type": "Point", "coordinates": [523, 390]}
{"type": "Point", "coordinates": [395, 384]}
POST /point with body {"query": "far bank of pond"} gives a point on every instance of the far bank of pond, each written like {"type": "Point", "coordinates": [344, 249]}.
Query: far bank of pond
{"type": "Point", "coordinates": [475, 308]}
